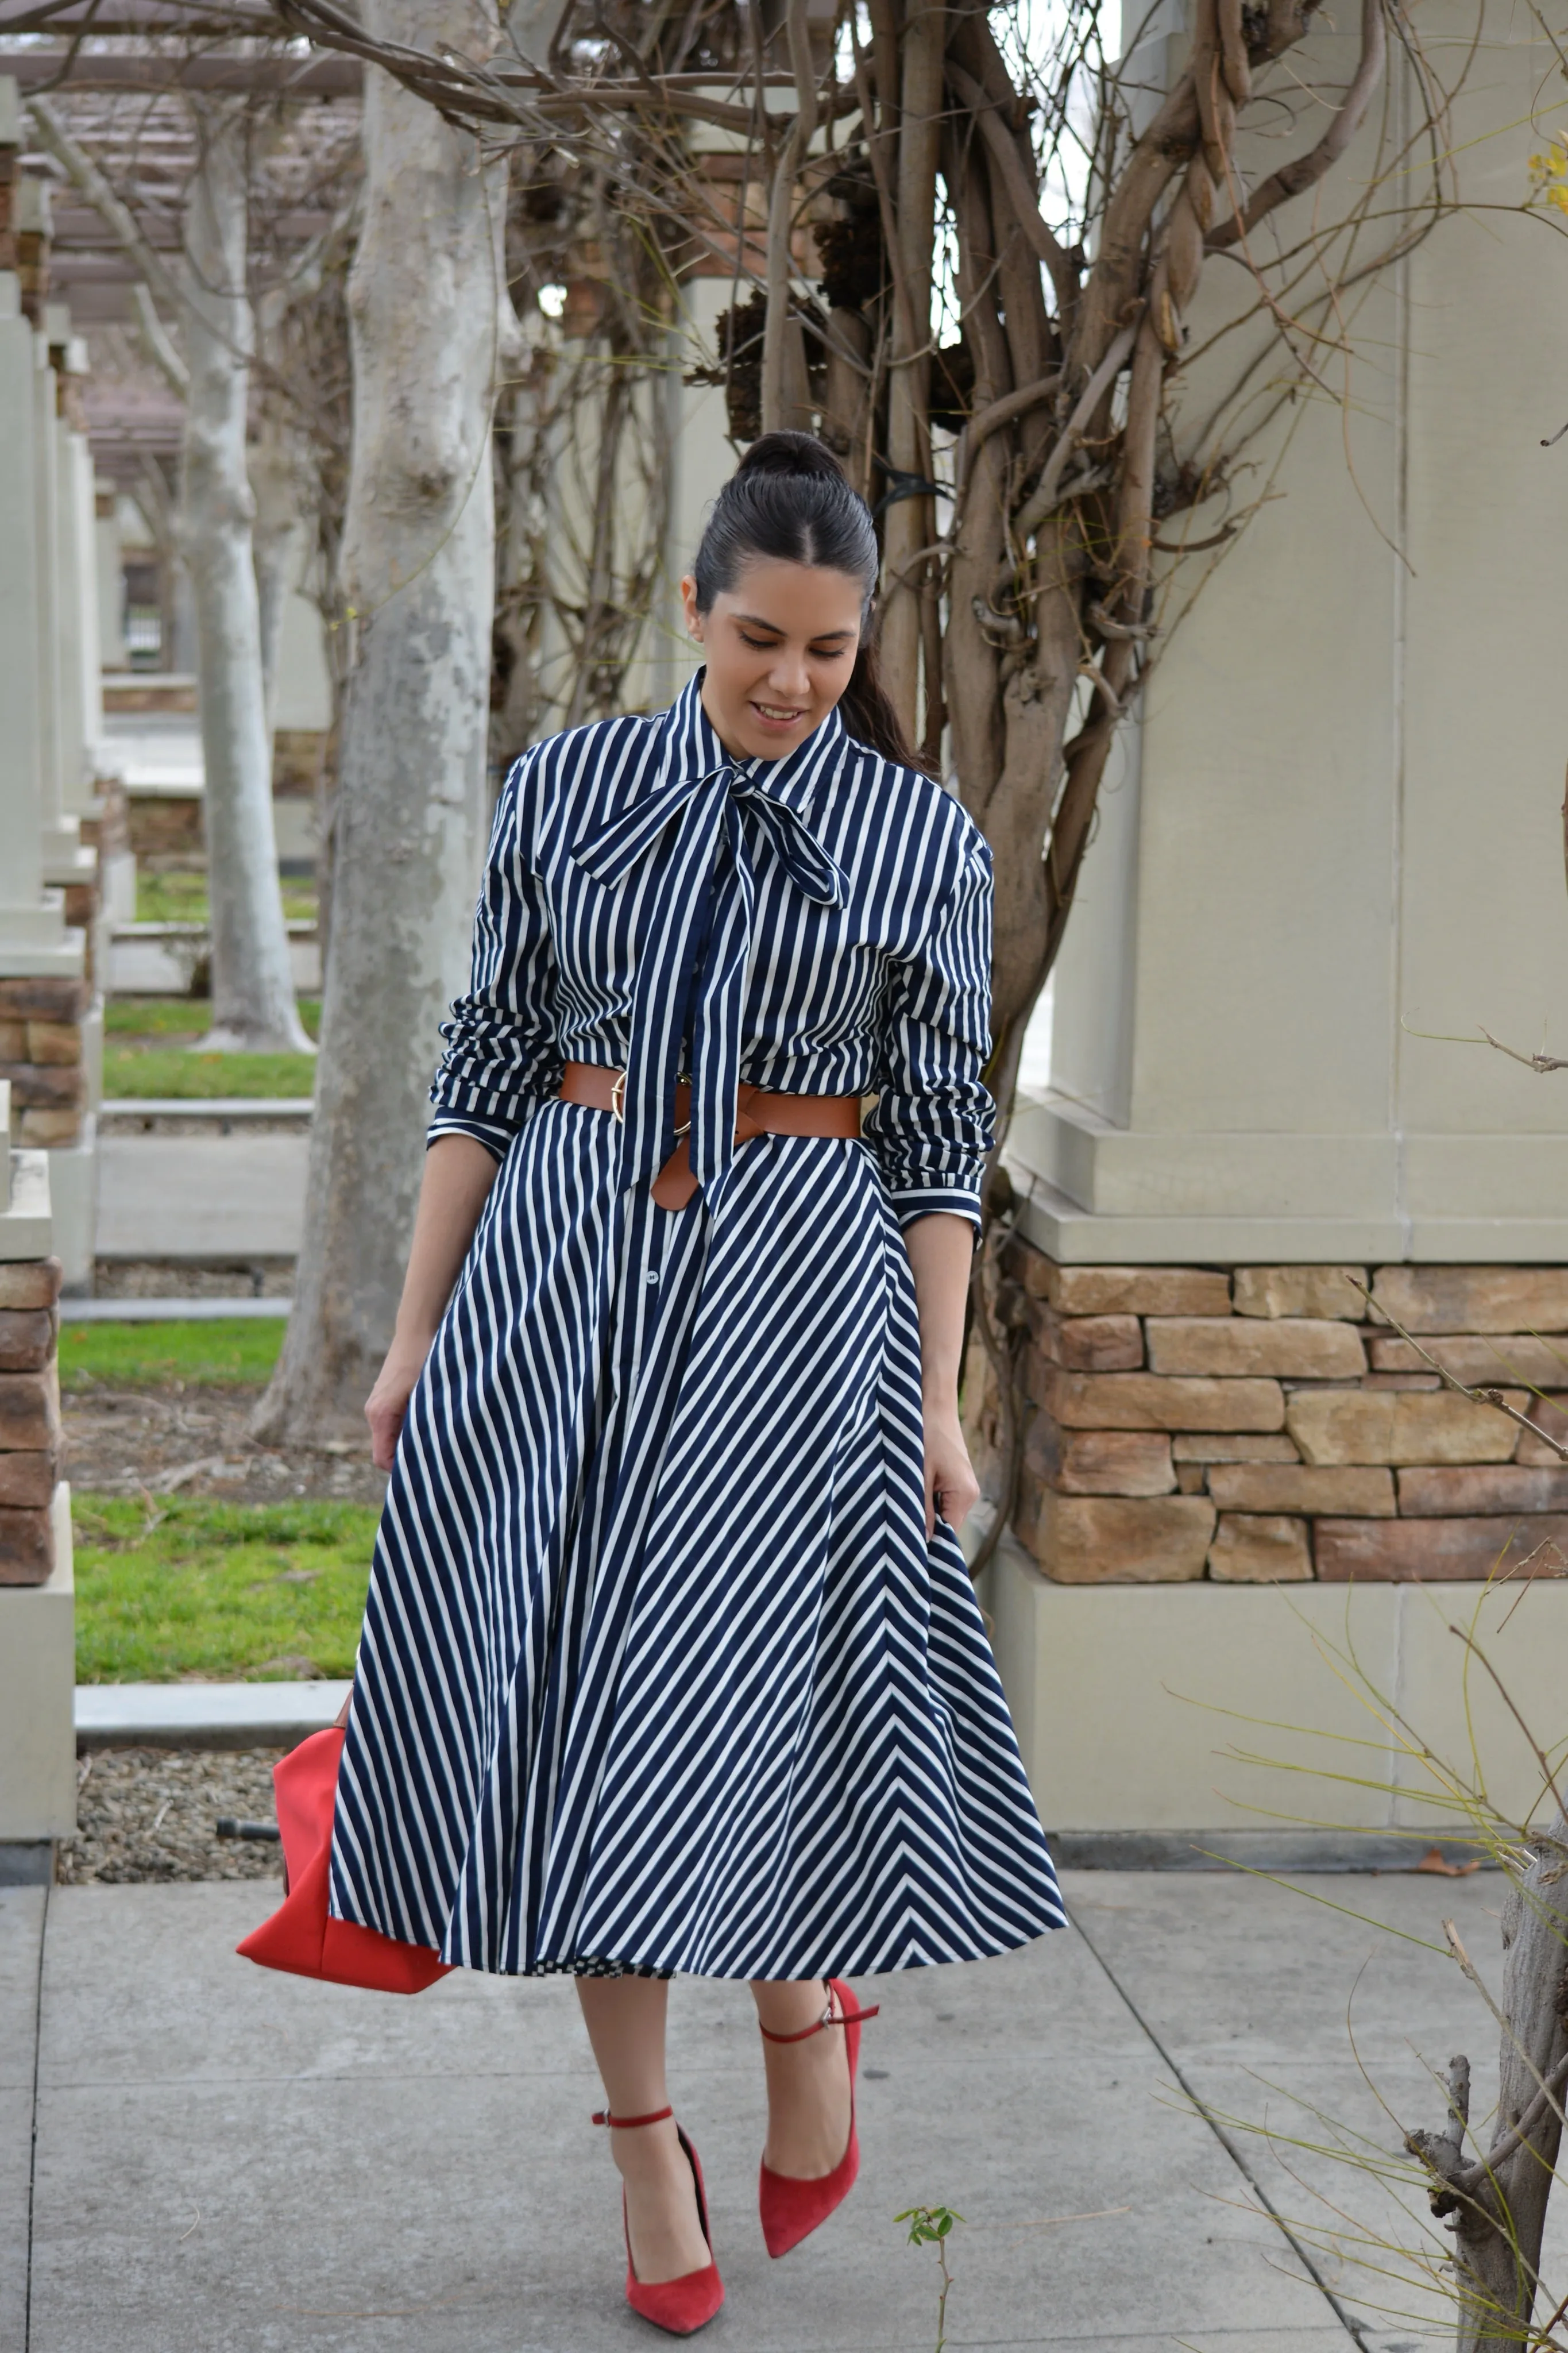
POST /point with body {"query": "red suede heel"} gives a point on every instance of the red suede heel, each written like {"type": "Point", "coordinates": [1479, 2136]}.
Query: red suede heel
{"type": "Point", "coordinates": [791, 2208]}
{"type": "Point", "coordinates": [679, 2306]}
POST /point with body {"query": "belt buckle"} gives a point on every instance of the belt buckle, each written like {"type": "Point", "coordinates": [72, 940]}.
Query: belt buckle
{"type": "Point", "coordinates": [618, 1096]}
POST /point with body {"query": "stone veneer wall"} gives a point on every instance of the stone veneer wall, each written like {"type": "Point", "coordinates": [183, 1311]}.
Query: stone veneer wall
{"type": "Point", "coordinates": [41, 1053]}
{"type": "Point", "coordinates": [1262, 1423]}
{"type": "Point", "coordinates": [29, 1418]}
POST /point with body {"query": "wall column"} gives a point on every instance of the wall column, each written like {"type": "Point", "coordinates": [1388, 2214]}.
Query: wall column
{"type": "Point", "coordinates": [66, 861]}
{"type": "Point", "coordinates": [81, 691]}
{"type": "Point", "coordinates": [1330, 853]}
{"type": "Point", "coordinates": [33, 935]}
{"type": "Point", "coordinates": [45, 999]}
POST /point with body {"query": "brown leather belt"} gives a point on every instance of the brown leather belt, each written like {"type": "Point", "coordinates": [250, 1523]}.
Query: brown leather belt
{"type": "Point", "coordinates": [758, 1113]}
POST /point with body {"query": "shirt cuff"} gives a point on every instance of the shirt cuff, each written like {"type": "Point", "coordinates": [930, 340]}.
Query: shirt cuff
{"type": "Point", "coordinates": [925, 1200]}
{"type": "Point", "coordinates": [492, 1133]}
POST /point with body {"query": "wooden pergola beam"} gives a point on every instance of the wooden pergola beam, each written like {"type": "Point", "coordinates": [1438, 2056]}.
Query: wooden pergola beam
{"type": "Point", "coordinates": [78, 229]}
{"type": "Point", "coordinates": [284, 76]}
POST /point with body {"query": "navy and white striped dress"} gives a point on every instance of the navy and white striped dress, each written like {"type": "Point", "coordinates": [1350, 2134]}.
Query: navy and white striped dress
{"type": "Point", "coordinates": [659, 1670]}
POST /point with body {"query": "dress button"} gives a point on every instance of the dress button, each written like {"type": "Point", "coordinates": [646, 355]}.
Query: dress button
{"type": "Point", "coordinates": [653, 1278]}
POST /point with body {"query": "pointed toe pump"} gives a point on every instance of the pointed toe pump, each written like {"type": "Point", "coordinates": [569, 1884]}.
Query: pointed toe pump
{"type": "Point", "coordinates": [679, 2306]}
{"type": "Point", "coordinates": [792, 2208]}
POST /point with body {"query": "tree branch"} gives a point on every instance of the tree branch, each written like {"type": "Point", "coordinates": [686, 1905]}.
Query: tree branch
{"type": "Point", "coordinates": [778, 322]}
{"type": "Point", "coordinates": [1044, 495]}
{"type": "Point", "coordinates": [1009, 167]}
{"type": "Point", "coordinates": [1470, 2182]}
{"type": "Point", "coordinates": [155, 273]}
{"type": "Point", "coordinates": [156, 339]}
{"type": "Point", "coordinates": [1494, 1398]}
{"type": "Point", "coordinates": [1545, 2087]}
{"type": "Point", "coordinates": [1000, 412]}
{"type": "Point", "coordinates": [1290, 179]}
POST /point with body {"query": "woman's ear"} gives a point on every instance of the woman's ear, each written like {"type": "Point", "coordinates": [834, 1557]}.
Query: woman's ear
{"type": "Point", "coordinates": [688, 607]}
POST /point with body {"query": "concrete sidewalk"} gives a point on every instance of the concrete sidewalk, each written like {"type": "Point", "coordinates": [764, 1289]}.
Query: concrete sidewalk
{"type": "Point", "coordinates": [228, 2161]}
{"type": "Point", "coordinates": [201, 1196]}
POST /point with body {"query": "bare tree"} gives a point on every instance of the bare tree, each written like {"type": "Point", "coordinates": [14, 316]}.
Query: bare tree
{"type": "Point", "coordinates": [976, 270]}
{"type": "Point", "coordinates": [210, 303]}
{"type": "Point", "coordinates": [417, 578]}
{"type": "Point", "coordinates": [1497, 2201]}
{"type": "Point", "coordinates": [252, 988]}
{"type": "Point", "coordinates": [583, 451]}
{"type": "Point", "coordinates": [1017, 190]}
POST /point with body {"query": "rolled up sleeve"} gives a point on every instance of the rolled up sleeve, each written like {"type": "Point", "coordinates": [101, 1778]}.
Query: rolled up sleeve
{"type": "Point", "coordinates": [500, 1055]}
{"type": "Point", "coordinates": [932, 1125]}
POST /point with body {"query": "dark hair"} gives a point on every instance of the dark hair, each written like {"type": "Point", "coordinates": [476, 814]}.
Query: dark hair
{"type": "Point", "coordinates": [789, 500]}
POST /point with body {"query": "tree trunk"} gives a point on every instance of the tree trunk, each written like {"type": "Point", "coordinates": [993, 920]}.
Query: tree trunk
{"type": "Point", "coordinates": [252, 994]}
{"type": "Point", "coordinates": [908, 526]}
{"type": "Point", "coordinates": [277, 509]}
{"type": "Point", "coordinates": [418, 590]}
{"type": "Point", "coordinates": [1498, 2201]}
{"type": "Point", "coordinates": [1496, 2267]}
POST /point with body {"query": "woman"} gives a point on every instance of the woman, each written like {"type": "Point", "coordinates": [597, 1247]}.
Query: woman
{"type": "Point", "coordinates": [670, 1660]}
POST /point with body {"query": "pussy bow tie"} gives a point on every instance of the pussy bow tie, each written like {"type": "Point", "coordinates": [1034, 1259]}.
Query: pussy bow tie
{"type": "Point", "coordinates": [722, 814]}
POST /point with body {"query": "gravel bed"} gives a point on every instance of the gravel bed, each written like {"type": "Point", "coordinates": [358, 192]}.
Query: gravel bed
{"type": "Point", "coordinates": [148, 1123]}
{"type": "Point", "coordinates": [195, 1442]}
{"type": "Point", "coordinates": [151, 1814]}
{"type": "Point", "coordinates": [260, 1278]}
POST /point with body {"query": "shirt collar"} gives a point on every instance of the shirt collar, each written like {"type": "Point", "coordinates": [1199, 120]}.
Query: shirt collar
{"type": "Point", "coordinates": [692, 748]}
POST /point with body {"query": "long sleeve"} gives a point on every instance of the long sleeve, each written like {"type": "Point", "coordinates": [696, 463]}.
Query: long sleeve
{"type": "Point", "coordinates": [933, 1124]}
{"type": "Point", "coordinates": [501, 1056]}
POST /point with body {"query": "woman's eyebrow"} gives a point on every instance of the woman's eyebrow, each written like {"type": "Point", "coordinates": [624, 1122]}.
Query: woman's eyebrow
{"type": "Point", "coordinates": [817, 637]}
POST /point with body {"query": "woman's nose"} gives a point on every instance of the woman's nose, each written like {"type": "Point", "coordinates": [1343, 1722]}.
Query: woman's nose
{"type": "Point", "coordinates": [789, 678]}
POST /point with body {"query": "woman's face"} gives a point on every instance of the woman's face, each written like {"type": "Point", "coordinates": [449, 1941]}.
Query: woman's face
{"type": "Point", "coordinates": [780, 647]}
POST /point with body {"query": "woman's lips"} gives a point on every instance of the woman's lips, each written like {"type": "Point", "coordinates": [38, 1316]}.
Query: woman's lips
{"type": "Point", "coordinates": [779, 716]}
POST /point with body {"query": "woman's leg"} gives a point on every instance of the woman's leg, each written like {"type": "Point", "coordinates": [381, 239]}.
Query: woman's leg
{"type": "Point", "coordinates": [808, 2082]}
{"type": "Point", "coordinates": [624, 2018]}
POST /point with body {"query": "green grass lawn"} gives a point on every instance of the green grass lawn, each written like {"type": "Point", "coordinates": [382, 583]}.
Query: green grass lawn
{"type": "Point", "coordinates": [179, 1587]}
{"type": "Point", "coordinates": [181, 1018]}
{"type": "Point", "coordinates": [148, 1050]}
{"type": "Point", "coordinates": [174, 1072]}
{"type": "Point", "coordinates": [231, 1351]}
{"type": "Point", "coordinates": [183, 898]}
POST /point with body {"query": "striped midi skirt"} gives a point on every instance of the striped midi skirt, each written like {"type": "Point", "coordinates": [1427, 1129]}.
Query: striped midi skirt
{"type": "Point", "coordinates": [660, 1670]}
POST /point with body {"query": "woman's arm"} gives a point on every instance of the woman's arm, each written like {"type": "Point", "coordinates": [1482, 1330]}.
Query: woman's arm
{"type": "Point", "coordinates": [458, 1173]}
{"type": "Point", "coordinates": [941, 1253]}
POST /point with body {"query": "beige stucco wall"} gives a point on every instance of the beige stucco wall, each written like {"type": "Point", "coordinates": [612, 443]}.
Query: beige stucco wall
{"type": "Point", "coordinates": [1202, 1707]}
{"type": "Point", "coordinates": [1337, 823]}
{"type": "Point", "coordinates": [37, 1684]}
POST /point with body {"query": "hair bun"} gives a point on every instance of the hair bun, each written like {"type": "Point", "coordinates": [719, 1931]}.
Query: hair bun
{"type": "Point", "coordinates": [791, 453]}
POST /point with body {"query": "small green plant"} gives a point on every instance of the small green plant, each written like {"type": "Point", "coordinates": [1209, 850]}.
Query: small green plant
{"type": "Point", "coordinates": [931, 2226]}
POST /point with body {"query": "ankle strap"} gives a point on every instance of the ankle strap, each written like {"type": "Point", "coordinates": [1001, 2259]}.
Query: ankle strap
{"type": "Point", "coordinates": [630, 2124]}
{"type": "Point", "coordinates": [828, 2017]}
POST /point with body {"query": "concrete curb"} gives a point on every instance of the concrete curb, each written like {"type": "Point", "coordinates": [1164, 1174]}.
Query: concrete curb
{"type": "Point", "coordinates": [214, 1107]}
{"type": "Point", "coordinates": [171, 1311]}
{"type": "Point", "coordinates": [279, 1716]}
{"type": "Point", "coordinates": [203, 1716]}
{"type": "Point", "coordinates": [1288, 1853]}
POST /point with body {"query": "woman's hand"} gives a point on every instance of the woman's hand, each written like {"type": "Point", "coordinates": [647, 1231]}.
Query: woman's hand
{"type": "Point", "coordinates": [458, 1173]}
{"type": "Point", "coordinates": [952, 1487]}
{"type": "Point", "coordinates": [941, 1254]}
{"type": "Point", "coordinates": [388, 1401]}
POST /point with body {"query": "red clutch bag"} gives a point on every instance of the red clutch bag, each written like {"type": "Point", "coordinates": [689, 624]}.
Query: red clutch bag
{"type": "Point", "coordinates": [300, 1937]}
